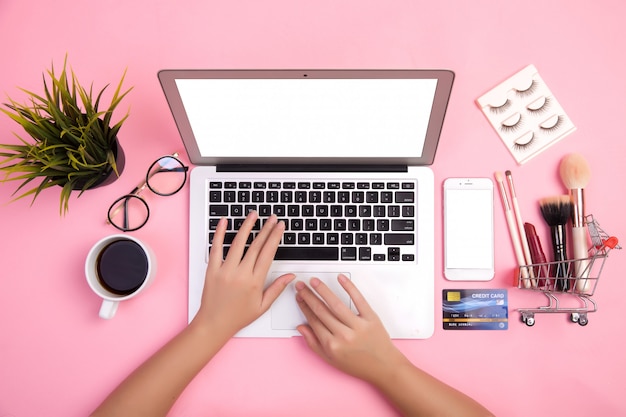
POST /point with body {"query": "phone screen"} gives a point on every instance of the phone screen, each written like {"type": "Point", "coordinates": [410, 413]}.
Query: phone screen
{"type": "Point", "coordinates": [468, 217]}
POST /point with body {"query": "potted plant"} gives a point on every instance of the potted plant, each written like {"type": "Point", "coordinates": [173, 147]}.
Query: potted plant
{"type": "Point", "coordinates": [72, 144]}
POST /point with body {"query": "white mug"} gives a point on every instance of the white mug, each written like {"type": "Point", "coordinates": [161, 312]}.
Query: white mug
{"type": "Point", "coordinates": [131, 258]}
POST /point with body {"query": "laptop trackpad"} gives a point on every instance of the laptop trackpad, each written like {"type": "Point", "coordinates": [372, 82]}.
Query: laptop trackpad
{"type": "Point", "coordinates": [286, 314]}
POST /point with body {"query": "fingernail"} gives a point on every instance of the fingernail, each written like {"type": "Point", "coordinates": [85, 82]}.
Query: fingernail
{"type": "Point", "coordinates": [300, 286]}
{"type": "Point", "coordinates": [315, 282]}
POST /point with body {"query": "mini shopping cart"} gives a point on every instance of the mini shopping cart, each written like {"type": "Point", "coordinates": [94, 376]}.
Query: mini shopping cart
{"type": "Point", "coordinates": [576, 279]}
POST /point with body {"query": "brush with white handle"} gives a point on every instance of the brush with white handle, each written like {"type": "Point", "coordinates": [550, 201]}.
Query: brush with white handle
{"type": "Point", "coordinates": [575, 174]}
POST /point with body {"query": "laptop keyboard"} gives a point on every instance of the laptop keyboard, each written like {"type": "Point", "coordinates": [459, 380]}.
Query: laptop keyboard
{"type": "Point", "coordinates": [367, 221]}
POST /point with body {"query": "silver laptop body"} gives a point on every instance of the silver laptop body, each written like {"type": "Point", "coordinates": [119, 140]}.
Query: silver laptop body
{"type": "Point", "coordinates": [341, 156]}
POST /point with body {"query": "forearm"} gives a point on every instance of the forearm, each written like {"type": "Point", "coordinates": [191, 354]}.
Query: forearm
{"type": "Point", "coordinates": [154, 387]}
{"type": "Point", "coordinates": [416, 393]}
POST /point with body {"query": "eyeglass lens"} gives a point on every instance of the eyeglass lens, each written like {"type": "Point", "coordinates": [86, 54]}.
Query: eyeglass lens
{"type": "Point", "coordinates": [166, 176]}
{"type": "Point", "coordinates": [129, 213]}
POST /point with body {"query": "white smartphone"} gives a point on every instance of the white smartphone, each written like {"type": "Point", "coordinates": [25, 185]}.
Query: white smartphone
{"type": "Point", "coordinates": [468, 229]}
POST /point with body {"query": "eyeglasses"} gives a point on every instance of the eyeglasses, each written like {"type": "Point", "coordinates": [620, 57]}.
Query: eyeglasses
{"type": "Point", "coordinates": [166, 176]}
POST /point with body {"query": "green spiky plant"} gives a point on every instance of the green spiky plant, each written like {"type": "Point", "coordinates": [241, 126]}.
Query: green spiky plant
{"type": "Point", "coordinates": [73, 141]}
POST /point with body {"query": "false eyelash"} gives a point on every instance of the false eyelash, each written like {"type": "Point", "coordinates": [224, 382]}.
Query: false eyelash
{"type": "Point", "coordinates": [508, 128]}
{"type": "Point", "coordinates": [520, 145]}
{"type": "Point", "coordinates": [528, 91]}
{"type": "Point", "coordinates": [502, 108]}
{"type": "Point", "coordinates": [547, 102]}
{"type": "Point", "coordinates": [557, 125]}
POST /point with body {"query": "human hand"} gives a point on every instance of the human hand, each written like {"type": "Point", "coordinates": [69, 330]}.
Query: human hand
{"type": "Point", "coordinates": [233, 295]}
{"type": "Point", "coordinates": [358, 345]}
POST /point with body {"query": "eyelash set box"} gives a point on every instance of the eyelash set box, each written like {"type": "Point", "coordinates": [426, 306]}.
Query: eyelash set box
{"type": "Point", "coordinates": [525, 114]}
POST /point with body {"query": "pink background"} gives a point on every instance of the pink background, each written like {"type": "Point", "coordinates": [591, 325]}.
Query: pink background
{"type": "Point", "coordinates": [57, 358]}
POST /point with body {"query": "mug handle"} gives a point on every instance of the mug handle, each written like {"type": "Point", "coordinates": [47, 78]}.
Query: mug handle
{"type": "Point", "coordinates": [108, 309]}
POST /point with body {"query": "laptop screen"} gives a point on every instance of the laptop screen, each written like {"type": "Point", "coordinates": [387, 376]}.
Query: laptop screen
{"type": "Point", "coordinates": [308, 116]}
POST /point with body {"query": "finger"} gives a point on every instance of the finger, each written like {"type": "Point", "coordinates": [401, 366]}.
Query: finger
{"type": "Point", "coordinates": [361, 304]}
{"type": "Point", "coordinates": [260, 240]}
{"type": "Point", "coordinates": [268, 251]}
{"type": "Point", "coordinates": [276, 288]}
{"type": "Point", "coordinates": [311, 340]}
{"type": "Point", "coordinates": [334, 303]}
{"type": "Point", "coordinates": [320, 315]}
{"type": "Point", "coordinates": [216, 253]}
{"type": "Point", "coordinates": [239, 242]}
{"type": "Point", "coordinates": [319, 330]}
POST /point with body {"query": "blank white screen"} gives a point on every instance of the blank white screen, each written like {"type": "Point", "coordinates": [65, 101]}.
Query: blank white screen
{"type": "Point", "coordinates": [308, 117]}
{"type": "Point", "coordinates": [469, 229]}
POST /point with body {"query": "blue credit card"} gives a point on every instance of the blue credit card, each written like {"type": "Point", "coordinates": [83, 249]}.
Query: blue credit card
{"type": "Point", "coordinates": [475, 310]}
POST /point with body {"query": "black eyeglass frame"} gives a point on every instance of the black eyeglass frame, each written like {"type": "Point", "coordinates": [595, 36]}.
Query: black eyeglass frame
{"type": "Point", "coordinates": [139, 188]}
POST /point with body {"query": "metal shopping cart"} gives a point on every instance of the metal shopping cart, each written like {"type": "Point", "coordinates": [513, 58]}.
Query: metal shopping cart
{"type": "Point", "coordinates": [576, 279]}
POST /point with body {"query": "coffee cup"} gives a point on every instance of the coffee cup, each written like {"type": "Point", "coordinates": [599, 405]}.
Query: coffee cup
{"type": "Point", "coordinates": [118, 268]}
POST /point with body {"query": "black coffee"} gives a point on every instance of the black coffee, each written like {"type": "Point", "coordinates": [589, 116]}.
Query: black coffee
{"type": "Point", "coordinates": [122, 267]}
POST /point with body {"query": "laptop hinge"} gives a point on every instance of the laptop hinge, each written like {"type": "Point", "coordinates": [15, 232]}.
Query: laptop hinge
{"type": "Point", "coordinates": [309, 168]}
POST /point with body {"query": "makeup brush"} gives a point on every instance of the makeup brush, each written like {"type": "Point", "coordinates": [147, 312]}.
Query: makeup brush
{"type": "Point", "coordinates": [575, 174]}
{"type": "Point", "coordinates": [513, 232]}
{"type": "Point", "coordinates": [556, 211]}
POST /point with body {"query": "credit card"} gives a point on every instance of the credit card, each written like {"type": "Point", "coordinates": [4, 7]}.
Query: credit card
{"type": "Point", "coordinates": [475, 310]}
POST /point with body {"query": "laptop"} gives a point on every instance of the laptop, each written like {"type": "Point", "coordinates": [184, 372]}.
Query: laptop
{"type": "Point", "coordinates": [342, 156]}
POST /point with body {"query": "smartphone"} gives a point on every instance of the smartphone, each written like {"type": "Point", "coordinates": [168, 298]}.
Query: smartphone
{"type": "Point", "coordinates": [468, 229]}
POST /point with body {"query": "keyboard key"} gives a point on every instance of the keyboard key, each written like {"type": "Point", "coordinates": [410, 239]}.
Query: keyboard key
{"type": "Point", "coordinates": [218, 210]}
{"type": "Point", "coordinates": [403, 225]}
{"type": "Point", "coordinates": [258, 196]}
{"type": "Point", "coordinates": [289, 238]}
{"type": "Point", "coordinates": [399, 239]}
{"type": "Point", "coordinates": [265, 210]}
{"type": "Point", "coordinates": [405, 197]}
{"type": "Point", "coordinates": [408, 211]}
{"type": "Point", "coordinates": [393, 254]}
{"type": "Point", "coordinates": [286, 196]}
{"type": "Point", "coordinates": [376, 239]}
{"type": "Point", "coordinates": [306, 253]}
{"type": "Point", "coordinates": [348, 254]}
{"type": "Point", "coordinates": [382, 225]}
{"type": "Point", "coordinates": [215, 196]}
{"type": "Point", "coordinates": [365, 253]}
{"type": "Point", "coordinates": [393, 211]}
{"type": "Point", "coordinates": [318, 238]}
{"type": "Point", "coordinates": [371, 197]}
{"type": "Point", "coordinates": [329, 197]}
{"type": "Point", "coordinates": [334, 186]}
{"type": "Point", "coordinates": [304, 238]}
{"type": "Point", "coordinates": [315, 196]}
{"type": "Point", "coordinates": [230, 197]}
